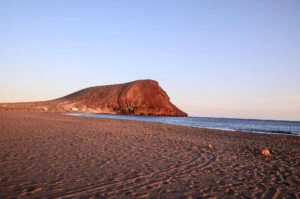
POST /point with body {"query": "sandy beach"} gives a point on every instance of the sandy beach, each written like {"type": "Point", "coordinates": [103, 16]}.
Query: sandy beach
{"type": "Point", "coordinates": [51, 155]}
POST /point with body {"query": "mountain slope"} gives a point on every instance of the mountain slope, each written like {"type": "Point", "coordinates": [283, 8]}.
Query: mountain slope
{"type": "Point", "coordinates": [141, 97]}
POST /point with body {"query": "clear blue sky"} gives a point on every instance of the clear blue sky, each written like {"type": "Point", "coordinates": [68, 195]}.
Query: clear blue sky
{"type": "Point", "coordinates": [213, 58]}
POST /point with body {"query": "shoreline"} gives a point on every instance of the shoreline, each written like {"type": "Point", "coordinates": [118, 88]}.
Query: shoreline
{"type": "Point", "coordinates": [90, 115]}
{"type": "Point", "coordinates": [54, 155]}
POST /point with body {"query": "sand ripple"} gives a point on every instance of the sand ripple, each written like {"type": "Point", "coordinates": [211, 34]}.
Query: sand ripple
{"type": "Point", "coordinates": [55, 156]}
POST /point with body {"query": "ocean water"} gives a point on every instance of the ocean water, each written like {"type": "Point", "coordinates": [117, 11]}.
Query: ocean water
{"type": "Point", "coordinates": [246, 125]}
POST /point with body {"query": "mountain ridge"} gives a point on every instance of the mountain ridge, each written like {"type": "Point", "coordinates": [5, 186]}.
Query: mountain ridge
{"type": "Point", "coordinates": [140, 97]}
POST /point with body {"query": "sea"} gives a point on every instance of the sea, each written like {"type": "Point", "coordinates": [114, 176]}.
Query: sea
{"type": "Point", "coordinates": [230, 124]}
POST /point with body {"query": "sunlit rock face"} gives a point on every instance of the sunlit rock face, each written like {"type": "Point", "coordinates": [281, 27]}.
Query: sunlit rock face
{"type": "Point", "coordinates": [141, 97]}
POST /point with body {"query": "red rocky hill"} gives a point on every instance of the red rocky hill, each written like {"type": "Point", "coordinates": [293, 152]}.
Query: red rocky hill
{"type": "Point", "coordinates": [141, 97]}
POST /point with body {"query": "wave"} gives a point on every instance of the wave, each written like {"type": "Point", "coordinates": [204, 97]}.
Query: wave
{"type": "Point", "coordinates": [244, 125]}
{"type": "Point", "coordinates": [270, 131]}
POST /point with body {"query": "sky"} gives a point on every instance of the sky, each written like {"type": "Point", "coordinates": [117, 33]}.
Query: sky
{"type": "Point", "coordinates": [237, 59]}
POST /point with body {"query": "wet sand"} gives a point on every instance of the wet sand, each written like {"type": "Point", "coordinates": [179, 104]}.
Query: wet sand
{"type": "Point", "coordinates": [58, 156]}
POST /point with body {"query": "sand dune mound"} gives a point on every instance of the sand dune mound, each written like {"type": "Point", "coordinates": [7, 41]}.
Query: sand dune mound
{"type": "Point", "coordinates": [141, 97]}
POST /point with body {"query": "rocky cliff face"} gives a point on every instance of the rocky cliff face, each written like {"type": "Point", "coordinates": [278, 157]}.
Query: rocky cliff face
{"type": "Point", "coordinates": [141, 97]}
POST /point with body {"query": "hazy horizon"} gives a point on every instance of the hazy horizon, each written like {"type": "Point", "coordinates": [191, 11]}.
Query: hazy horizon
{"type": "Point", "coordinates": [228, 59]}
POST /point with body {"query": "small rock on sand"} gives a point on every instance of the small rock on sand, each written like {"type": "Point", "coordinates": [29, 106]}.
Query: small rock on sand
{"type": "Point", "coordinates": [265, 152]}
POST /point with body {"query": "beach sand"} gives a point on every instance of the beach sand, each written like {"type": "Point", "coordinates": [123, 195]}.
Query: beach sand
{"type": "Point", "coordinates": [53, 155]}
